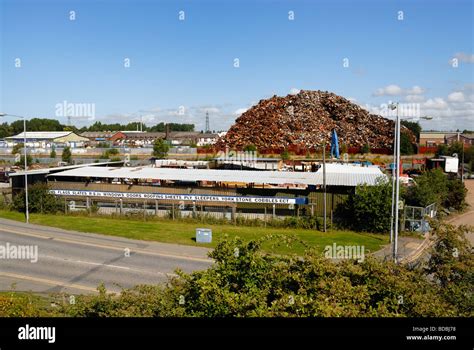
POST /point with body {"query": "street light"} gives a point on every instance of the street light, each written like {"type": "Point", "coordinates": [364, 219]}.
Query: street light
{"type": "Point", "coordinates": [27, 214]}
{"type": "Point", "coordinates": [396, 182]}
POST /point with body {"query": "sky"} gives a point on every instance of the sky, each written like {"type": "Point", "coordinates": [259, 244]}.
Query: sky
{"type": "Point", "coordinates": [173, 61]}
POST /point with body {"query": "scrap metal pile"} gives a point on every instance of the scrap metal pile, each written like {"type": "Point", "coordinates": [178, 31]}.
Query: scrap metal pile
{"type": "Point", "coordinates": [307, 119]}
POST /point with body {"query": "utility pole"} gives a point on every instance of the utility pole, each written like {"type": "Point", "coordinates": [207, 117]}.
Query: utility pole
{"type": "Point", "coordinates": [393, 181]}
{"type": "Point", "coordinates": [397, 191]}
{"type": "Point", "coordinates": [208, 128]}
{"type": "Point", "coordinates": [324, 185]}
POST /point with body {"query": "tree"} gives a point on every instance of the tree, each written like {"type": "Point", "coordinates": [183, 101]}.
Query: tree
{"type": "Point", "coordinates": [406, 147]}
{"type": "Point", "coordinates": [250, 148]}
{"type": "Point", "coordinates": [53, 152]}
{"type": "Point", "coordinates": [285, 155]}
{"type": "Point", "coordinates": [431, 187]}
{"type": "Point", "coordinates": [160, 148]}
{"type": "Point", "coordinates": [368, 208]}
{"type": "Point", "coordinates": [67, 155]}
{"type": "Point", "coordinates": [414, 127]}
{"type": "Point", "coordinates": [17, 148]}
{"type": "Point", "coordinates": [365, 149]}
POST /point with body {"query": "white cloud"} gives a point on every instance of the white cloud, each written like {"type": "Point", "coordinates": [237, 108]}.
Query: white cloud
{"type": "Point", "coordinates": [464, 57]}
{"type": "Point", "coordinates": [415, 90]}
{"type": "Point", "coordinates": [457, 96]}
{"type": "Point", "coordinates": [395, 90]}
{"type": "Point", "coordinates": [414, 98]}
{"type": "Point", "coordinates": [389, 90]}
{"type": "Point", "coordinates": [436, 103]}
{"type": "Point", "coordinates": [294, 91]}
{"type": "Point", "coordinates": [240, 111]}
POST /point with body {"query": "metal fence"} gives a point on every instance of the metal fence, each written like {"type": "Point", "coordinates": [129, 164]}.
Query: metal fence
{"type": "Point", "coordinates": [416, 219]}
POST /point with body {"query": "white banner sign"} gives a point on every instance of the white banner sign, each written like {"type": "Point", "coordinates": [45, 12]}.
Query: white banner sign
{"type": "Point", "coordinates": [181, 197]}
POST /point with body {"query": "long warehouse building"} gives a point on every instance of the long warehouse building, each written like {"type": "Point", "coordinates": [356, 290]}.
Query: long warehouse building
{"type": "Point", "coordinates": [230, 193]}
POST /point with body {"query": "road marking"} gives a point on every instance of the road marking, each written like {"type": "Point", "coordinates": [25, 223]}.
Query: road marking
{"type": "Point", "coordinates": [108, 265]}
{"type": "Point", "coordinates": [48, 281]}
{"type": "Point", "coordinates": [106, 246]}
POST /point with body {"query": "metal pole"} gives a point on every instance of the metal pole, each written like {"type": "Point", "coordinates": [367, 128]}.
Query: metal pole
{"type": "Point", "coordinates": [393, 180]}
{"type": "Point", "coordinates": [397, 192]}
{"type": "Point", "coordinates": [27, 213]}
{"type": "Point", "coordinates": [324, 185]}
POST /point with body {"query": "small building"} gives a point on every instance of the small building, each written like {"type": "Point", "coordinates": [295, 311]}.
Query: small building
{"type": "Point", "coordinates": [175, 138]}
{"type": "Point", "coordinates": [434, 138]}
{"type": "Point", "coordinates": [466, 139]}
{"type": "Point", "coordinates": [98, 135]}
{"type": "Point", "coordinates": [45, 139]}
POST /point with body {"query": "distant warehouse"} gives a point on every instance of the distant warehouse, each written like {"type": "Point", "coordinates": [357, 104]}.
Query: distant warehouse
{"type": "Point", "coordinates": [43, 139]}
{"type": "Point", "coordinates": [222, 193]}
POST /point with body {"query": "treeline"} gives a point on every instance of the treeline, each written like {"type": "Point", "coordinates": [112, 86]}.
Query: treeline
{"type": "Point", "coordinates": [45, 124]}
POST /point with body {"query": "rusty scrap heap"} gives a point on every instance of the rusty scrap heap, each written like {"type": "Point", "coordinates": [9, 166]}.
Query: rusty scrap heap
{"type": "Point", "coordinates": [307, 119]}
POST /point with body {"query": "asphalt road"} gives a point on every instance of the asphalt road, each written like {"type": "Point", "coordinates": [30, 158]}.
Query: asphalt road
{"type": "Point", "coordinates": [467, 218]}
{"type": "Point", "coordinates": [76, 262]}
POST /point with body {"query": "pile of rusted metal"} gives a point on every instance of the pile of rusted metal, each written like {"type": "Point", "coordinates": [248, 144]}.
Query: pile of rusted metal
{"type": "Point", "coordinates": [307, 119]}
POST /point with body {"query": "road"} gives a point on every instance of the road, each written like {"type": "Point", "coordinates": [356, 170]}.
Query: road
{"type": "Point", "coordinates": [467, 218]}
{"type": "Point", "coordinates": [75, 262]}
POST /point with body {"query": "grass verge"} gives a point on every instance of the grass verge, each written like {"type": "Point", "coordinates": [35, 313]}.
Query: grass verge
{"type": "Point", "coordinates": [182, 232]}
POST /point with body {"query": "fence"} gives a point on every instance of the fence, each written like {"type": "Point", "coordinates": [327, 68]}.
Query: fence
{"type": "Point", "coordinates": [416, 219]}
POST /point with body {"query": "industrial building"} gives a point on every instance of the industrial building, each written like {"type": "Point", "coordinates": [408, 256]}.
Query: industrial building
{"type": "Point", "coordinates": [46, 139]}
{"type": "Point", "coordinates": [138, 138]}
{"type": "Point", "coordinates": [222, 193]}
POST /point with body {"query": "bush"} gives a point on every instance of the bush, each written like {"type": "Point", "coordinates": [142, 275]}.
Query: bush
{"type": "Point", "coordinates": [245, 282]}
{"type": "Point", "coordinates": [39, 200]}
{"type": "Point", "coordinates": [365, 149]}
{"type": "Point", "coordinates": [21, 163]}
{"type": "Point", "coordinates": [435, 187]}
{"type": "Point", "coordinates": [67, 155]}
{"type": "Point", "coordinates": [368, 208]}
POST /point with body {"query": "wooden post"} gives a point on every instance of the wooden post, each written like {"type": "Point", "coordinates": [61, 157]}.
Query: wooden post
{"type": "Point", "coordinates": [156, 207]}
{"type": "Point", "coordinates": [265, 217]}
{"type": "Point", "coordinates": [273, 214]}
{"type": "Point", "coordinates": [172, 210]}
{"type": "Point", "coordinates": [121, 206]}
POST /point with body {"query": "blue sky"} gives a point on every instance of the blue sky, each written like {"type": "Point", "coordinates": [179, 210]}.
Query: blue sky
{"type": "Point", "coordinates": [181, 69]}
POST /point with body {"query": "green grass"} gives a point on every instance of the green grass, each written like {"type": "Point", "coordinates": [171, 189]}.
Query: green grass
{"type": "Point", "coordinates": [183, 232]}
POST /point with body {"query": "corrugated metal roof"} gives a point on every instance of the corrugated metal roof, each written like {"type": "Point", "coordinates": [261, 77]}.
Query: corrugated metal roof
{"type": "Point", "coordinates": [60, 168]}
{"type": "Point", "coordinates": [336, 175]}
{"type": "Point", "coordinates": [40, 135]}
{"type": "Point", "coordinates": [350, 175]}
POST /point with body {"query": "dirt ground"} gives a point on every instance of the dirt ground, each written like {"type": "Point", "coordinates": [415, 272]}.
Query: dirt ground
{"type": "Point", "coordinates": [467, 218]}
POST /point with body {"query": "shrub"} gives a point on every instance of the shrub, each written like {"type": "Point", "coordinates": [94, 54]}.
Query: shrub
{"type": "Point", "coordinates": [368, 208]}
{"type": "Point", "coordinates": [67, 155]}
{"type": "Point", "coordinates": [39, 200]}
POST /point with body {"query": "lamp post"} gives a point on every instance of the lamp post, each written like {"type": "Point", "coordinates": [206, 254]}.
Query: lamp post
{"type": "Point", "coordinates": [396, 182]}
{"type": "Point", "coordinates": [27, 214]}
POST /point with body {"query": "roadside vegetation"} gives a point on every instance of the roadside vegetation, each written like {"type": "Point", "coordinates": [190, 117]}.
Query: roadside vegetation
{"type": "Point", "coordinates": [369, 207]}
{"type": "Point", "coordinates": [247, 282]}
